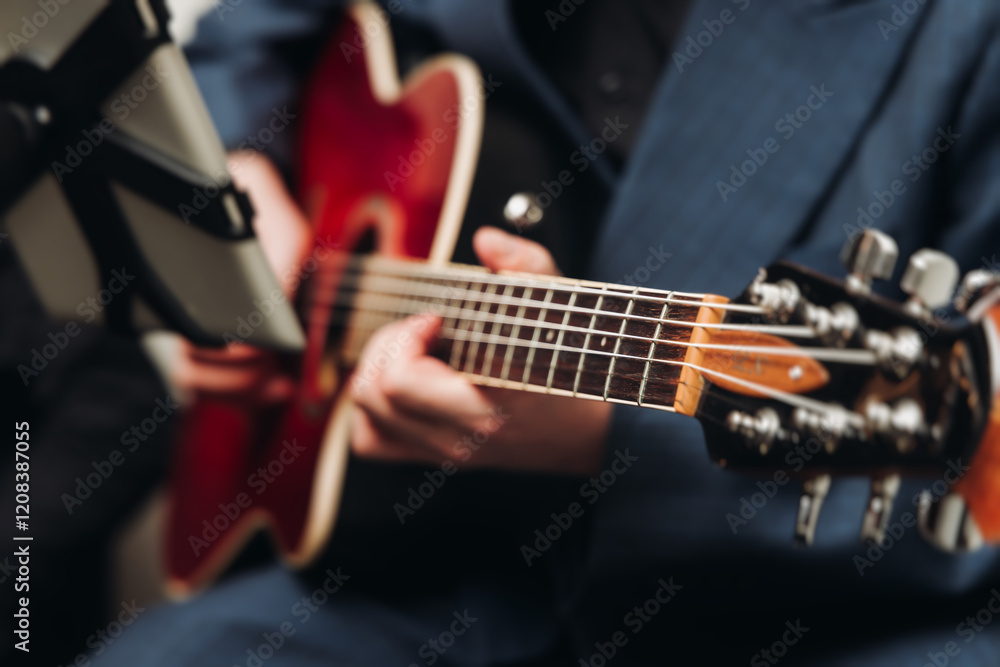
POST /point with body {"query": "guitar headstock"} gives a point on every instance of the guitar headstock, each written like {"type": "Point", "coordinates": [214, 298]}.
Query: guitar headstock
{"type": "Point", "coordinates": [823, 378]}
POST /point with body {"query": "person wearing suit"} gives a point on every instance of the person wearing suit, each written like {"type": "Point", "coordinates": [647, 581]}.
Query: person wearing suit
{"type": "Point", "coordinates": [853, 114]}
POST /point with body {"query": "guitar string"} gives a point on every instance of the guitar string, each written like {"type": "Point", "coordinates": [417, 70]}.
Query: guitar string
{"type": "Point", "coordinates": [534, 283]}
{"type": "Point", "coordinates": [479, 275]}
{"type": "Point", "coordinates": [357, 269]}
{"type": "Point", "coordinates": [856, 357]}
{"type": "Point", "coordinates": [345, 298]}
{"type": "Point", "coordinates": [462, 336]}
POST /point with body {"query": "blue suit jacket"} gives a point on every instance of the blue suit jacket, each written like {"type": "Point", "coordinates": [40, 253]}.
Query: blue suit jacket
{"type": "Point", "coordinates": [844, 97]}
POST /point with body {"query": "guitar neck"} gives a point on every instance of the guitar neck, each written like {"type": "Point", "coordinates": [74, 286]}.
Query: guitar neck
{"type": "Point", "coordinates": [551, 335]}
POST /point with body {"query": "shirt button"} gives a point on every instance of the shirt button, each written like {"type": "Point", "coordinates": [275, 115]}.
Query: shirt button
{"type": "Point", "coordinates": [611, 84]}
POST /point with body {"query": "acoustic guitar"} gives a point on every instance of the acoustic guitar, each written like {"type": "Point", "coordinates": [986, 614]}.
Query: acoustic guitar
{"type": "Point", "coordinates": [797, 362]}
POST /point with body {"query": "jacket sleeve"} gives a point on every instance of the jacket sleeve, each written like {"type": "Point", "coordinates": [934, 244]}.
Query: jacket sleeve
{"type": "Point", "coordinates": [971, 232]}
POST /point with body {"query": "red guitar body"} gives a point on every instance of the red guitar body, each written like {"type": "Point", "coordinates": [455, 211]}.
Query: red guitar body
{"type": "Point", "coordinates": [397, 160]}
{"type": "Point", "coordinates": [381, 156]}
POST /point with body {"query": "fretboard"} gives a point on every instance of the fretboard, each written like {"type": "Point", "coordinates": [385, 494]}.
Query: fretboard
{"type": "Point", "coordinates": [576, 338]}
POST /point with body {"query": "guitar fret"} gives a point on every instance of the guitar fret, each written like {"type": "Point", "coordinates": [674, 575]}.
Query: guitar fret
{"type": "Point", "coordinates": [559, 340]}
{"type": "Point", "coordinates": [618, 343]}
{"type": "Point", "coordinates": [586, 340]}
{"type": "Point", "coordinates": [525, 297]}
{"type": "Point", "coordinates": [534, 339]}
{"type": "Point", "coordinates": [477, 331]}
{"type": "Point", "coordinates": [501, 314]}
{"type": "Point", "coordinates": [652, 349]}
{"type": "Point", "coordinates": [456, 350]}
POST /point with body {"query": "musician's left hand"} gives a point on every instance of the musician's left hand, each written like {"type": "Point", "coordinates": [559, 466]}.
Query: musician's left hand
{"type": "Point", "coordinates": [416, 408]}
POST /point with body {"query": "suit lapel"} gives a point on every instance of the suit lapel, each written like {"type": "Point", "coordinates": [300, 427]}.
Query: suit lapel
{"type": "Point", "coordinates": [746, 133]}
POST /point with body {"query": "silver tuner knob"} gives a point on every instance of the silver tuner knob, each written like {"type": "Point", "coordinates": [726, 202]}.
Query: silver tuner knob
{"type": "Point", "coordinates": [930, 280]}
{"type": "Point", "coordinates": [522, 211]}
{"type": "Point", "coordinates": [870, 255]}
{"type": "Point", "coordinates": [975, 288]}
{"type": "Point", "coordinates": [814, 491]}
{"type": "Point", "coordinates": [947, 524]}
{"type": "Point", "coordinates": [884, 491]}
{"type": "Point", "coordinates": [760, 430]}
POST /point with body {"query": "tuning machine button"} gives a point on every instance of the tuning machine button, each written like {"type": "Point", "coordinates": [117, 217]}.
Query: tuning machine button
{"type": "Point", "coordinates": [829, 426]}
{"type": "Point", "coordinates": [778, 300]}
{"type": "Point", "coordinates": [759, 430]}
{"type": "Point", "coordinates": [974, 290]}
{"type": "Point", "coordinates": [870, 255]}
{"type": "Point", "coordinates": [879, 509]}
{"type": "Point", "coordinates": [814, 491]}
{"type": "Point", "coordinates": [930, 280]}
{"type": "Point", "coordinates": [899, 424]}
{"type": "Point", "coordinates": [835, 325]}
{"type": "Point", "coordinates": [947, 523]}
{"type": "Point", "coordinates": [897, 351]}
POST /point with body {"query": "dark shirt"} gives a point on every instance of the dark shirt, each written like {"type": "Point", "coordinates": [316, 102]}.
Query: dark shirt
{"type": "Point", "coordinates": [606, 57]}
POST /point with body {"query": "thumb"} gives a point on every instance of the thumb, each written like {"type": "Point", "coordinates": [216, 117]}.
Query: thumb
{"type": "Point", "coordinates": [500, 251]}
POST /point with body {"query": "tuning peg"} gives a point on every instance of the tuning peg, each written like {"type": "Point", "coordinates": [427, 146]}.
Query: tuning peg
{"type": "Point", "coordinates": [884, 490]}
{"type": "Point", "coordinates": [975, 287]}
{"type": "Point", "coordinates": [947, 523]}
{"type": "Point", "coordinates": [930, 280]}
{"type": "Point", "coordinates": [869, 255]}
{"type": "Point", "coordinates": [814, 492]}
